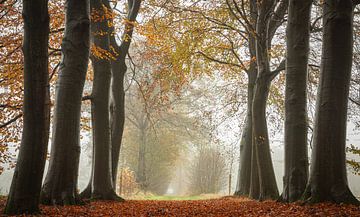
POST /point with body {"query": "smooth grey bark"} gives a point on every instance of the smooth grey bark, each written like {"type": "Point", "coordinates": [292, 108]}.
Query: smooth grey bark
{"type": "Point", "coordinates": [60, 186]}
{"type": "Point", "coordinates": [265, 29]}
{"type": "Point", "coordinates": [328, 178]}
{"type": "Point", "coordinates": [25, 187]}
{"type": "Point", "coordinates": [118, 69]}
{"type": "Point", "coordinates": [102, 186]}
{"type": "Point", "coordinates": [254, 190]}
{"type": "Point", "coordinates": [267, 181]}
{"type": "Point", "coordinates": [296, 156]}
{"type": "Point", "coordinates": [245, 168]}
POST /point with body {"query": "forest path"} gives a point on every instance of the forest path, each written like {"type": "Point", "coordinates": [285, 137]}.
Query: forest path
{"type": "Point", "coordinates": [212, 207]}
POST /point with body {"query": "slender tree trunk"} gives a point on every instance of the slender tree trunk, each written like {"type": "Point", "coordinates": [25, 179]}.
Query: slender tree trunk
{"type": "Point", "coordinates": [141, 171]}
{"type": "Point", "coordinates": [102, 187]}
{"type": "Point", "coordinates": [245, 168]}
{"type": "Point", "coordinates": [244, 175]}
{"type": "Point", "coordinates": [267, 181]}
{"type": "Point", "coordinates": [60, 186]}
{"type": "Point", "coordinates": [328, 178]}
{"type": "Point", "coordinates": [26, 183]}
{"type": "Point", "coordinates": [296, 156]}
{"type": "Point", "coordinates": [118, 113]}
{"type": "Point", "coordinates": [119, 68]}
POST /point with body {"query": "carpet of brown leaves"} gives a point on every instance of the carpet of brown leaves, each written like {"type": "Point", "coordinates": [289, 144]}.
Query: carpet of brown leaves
{"type": "Point", "coordinates": [212, 207]}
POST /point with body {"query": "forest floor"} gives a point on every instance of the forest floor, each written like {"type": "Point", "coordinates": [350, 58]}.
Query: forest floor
{"type": "Point", "coordinates": [211, 207]}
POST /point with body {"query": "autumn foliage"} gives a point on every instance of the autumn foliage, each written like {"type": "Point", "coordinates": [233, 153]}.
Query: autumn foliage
{"type": "Point", "coordinates": [11, 72]}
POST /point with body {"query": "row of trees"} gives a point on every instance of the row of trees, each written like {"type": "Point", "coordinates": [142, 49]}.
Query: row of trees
{"type": "Point", "coordinates": [327, 180]}
{"type": "Point", "coordinates": [245, 38]}
{"type": "Point", "coordinates": [60, 185]}
{"type": "Point", "coordinates": [185, 41]}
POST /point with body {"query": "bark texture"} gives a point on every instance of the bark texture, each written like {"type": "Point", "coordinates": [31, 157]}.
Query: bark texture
{"type": "Point", "coordinates": [265, 29]}
{"type": "Point", "coordinates": [60, 186]}
{"type": "Point", "coordinates": [102, 186]}
{"type": "Point", "coordinates": [296, 156]}
{"type": "Point", "coordinates": [26, 183]}
{"type": "Point", "coordinates": [119, 68]}
{"type": "Point", "coordinates": [245, 168]}
{"type": "Point", "coordinates": [328, 178]}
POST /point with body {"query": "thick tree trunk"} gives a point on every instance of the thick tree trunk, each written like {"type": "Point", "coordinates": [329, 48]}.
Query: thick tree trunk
{"type": "Point", "coordinates": [296, 156]}
{"type": "Point", "coordinates": [267, 181]}
{"type": "Point", "coordinates": [26, 183]}
{"type": "Point", "coordinates": [102, 187]}
{"type": "Point", "coordinates": [245, 168]}
{"type": "Point", "coordinates": [328, 178]}
{"type": "Point", "coordinates": [60, 186]}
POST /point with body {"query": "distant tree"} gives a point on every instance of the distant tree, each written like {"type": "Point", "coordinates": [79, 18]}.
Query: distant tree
{"type": "Point", "coordinates": [153, 139]}
{"type": "Point", "coordinates": [60, 186]}
{"type": "Point", "coordinates": [328, 178]}
{"type": "Point", "coordinates": [297, 46]}
{"type": "Point", "coordinates": [26, 183]}
{"type": "Point", "coordinates": [207, 173]}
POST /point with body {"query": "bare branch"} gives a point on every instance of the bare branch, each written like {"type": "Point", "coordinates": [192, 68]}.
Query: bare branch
{"type": "Point", "coordinates": [3, 125]}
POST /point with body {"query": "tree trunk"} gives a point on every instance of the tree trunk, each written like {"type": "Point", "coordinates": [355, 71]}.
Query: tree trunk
{"type": "Point", "coordinates": [267, 181]}
{"type": "Point", "coordinates": [254, 190]}
{"type": "Point", "coordinates": [102, 187]}
{"type": "Point", "coordinates": [60, 186]}
{"type": "Point", "coordinates": [244, 175]}
{"type": "Point", "coordinates": [141, 171]}
{"type": "Point", "coordinates": [296, 156]}
{"type": "Point", "coordinates": [328, 178]}
{"type": "Point", "coordinates": [26, 183]}
{"type": "Point", "coordinates": [119, 68]}
{"type": "Point", "coordinates": [245, 168]}
{"type": "Point", "coordinates": [117, 113]}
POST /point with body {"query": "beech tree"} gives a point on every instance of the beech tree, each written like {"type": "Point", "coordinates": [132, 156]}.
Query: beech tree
{"type": "Point", "coordinates": [26, 183]}
{"type": "Point", "coordinates": [207, 175]}
{"type": "Point", "coordinates": [101, 185]}
{"type": "Point", "coordinates": [297, 45]}
{"type": "Point", "coordinates": [11, 72]}
{"type": "Point", "coordinates": [246, 150]}
{"type": "Point", "coordinates": [266, 27]}
{"type": "Point", "coordinates": [118, 69]}
{"type": "Point", "coordinates": [116, 56]}
{"type": "Point", "coordinates": [60, 186]}
{"type": "Point", "coordinates": [239, 22]}
{"type": "Point", "coordinates": [328, 177]}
